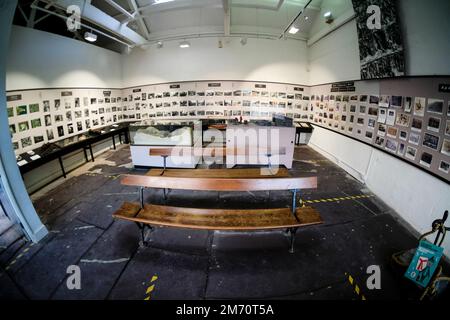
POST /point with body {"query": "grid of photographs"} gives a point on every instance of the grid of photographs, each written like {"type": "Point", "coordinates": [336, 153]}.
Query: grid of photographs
{"type": "Point", "coordinates": [41, 116]}
{"type": "Point", "coordinates": [416, 129]}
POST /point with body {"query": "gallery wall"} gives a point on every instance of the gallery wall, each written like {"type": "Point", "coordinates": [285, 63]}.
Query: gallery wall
{"type": "Point", "coordinates": [259, 60]}
{"type": "Point", "coordinates": [38, 59]}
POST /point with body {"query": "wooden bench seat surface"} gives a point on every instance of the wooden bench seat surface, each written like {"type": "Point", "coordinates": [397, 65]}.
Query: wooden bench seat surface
{"type": "Point", "coordinates": [214, 150]}
{"type": "Point", "coordinates": [221, 173]}
{"type": "Point", "coordinates": [220, 184]}
{"type": "Point", "coordinates": [218, 219]}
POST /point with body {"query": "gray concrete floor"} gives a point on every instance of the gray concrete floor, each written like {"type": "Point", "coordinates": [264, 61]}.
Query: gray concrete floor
{"type": "Point", "coordinates": [189, 264]}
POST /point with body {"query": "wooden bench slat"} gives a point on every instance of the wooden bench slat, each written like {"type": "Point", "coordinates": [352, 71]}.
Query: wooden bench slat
{"type": "Point", "coordinates": [219, 219]}
{"type": "Point", "coordinates": [221, 173]}
{"type": "Point", "coordinates": [220, 184]}
{"type": "Point", "coordinates": [212, 151]}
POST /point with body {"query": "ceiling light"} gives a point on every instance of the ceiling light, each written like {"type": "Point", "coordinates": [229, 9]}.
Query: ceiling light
{"type": "Point", "coordinates": [159, 44]}
{"type": "Point", "coordinates": [293, 30]}
{"type": "Point", "coordinates": [306, 18]}
{"type": "Point", "coordinates": [161, 1]}
{"type": "Point", "coordinates": [327, 14]}
{"type": "Point", "coordinates": [89, 36]}
{"type": "Point", "coordinates": [243, 41]}
{"type": "Point", "coordinates": [185, 44]}
{"type": "Point", "coordinates": [328, 17]}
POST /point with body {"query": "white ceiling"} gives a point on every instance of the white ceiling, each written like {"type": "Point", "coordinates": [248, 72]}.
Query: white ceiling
{"type": "Point", "coordinates": [199, 18]}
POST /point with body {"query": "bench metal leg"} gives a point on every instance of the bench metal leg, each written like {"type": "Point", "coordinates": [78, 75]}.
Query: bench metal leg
{"type": "Point", "coordinates": [142, 227]}
{"type": "Point", "coordinates": [141, 196]}
{"type": "Point", "coordinates": [292, 232]}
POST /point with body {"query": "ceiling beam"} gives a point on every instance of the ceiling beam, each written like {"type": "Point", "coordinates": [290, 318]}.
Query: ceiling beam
{"type": "Point", "coordinates": [227, 18]}
{"type": "Point", "coordinates": [140, 20]}
{"type": "Point", "coordinates": [113, 4]}
{"type": "Point", "coordinates": [99, 18]}
{"type": "Point", "coordinates": [252, 6]}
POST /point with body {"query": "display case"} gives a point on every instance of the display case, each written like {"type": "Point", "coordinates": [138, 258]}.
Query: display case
{"type": "Point", "coordinates": [150, 134]}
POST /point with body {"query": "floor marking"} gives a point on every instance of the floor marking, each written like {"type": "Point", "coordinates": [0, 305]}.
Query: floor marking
{"type": "Point", "coordinates": [338, 199]}
{"type": "Point", "coordinates": [104, 261]}
{"type": "Point", "coordinates": [85, 227]}
{"type": "Point", "coordinates": [151, 287]}
{"type": "Point", "coordinates": [355, 286]}
{"type": "Point", "coordinates": [19, 256]}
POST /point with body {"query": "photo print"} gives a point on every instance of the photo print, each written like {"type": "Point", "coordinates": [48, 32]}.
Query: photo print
{"type": "Point", "coordinates": [384, 101]}
{"type": "Point", "coordinates": [403, 135]}
{"type": "Point", "coordinates": [419, 106]}
{"type": "Point", "coordinates": [426, 159]}
{"type": "Point", "coordinates": [446, 147]}
{"type": "Point", "coordinates": [373, 111]}
{"type": "Point", "coordinates": [381, 129]}
{"type": "Point", "coordinates": [435, 106]}
{"type": "Point", "coordinates": [374, 100]}
{"type": "Point", "coordinates": [21, 110]}
{"type": "Point", "coordinates": [10, 112]}
{"type": "Point", "coordinates": [411, 153]}
{"type": "Point", "coordinates": [391, 145]}
{"type": "Point", "coordinates": [36, 123]}
{"type": "Point", "coordinates": [402, 120]}
{"type": "Point", "coordinates": [444, 167]}
{"type": "Point", "coordinates": [408, 104]}
{"type": "Point", "coordinates": [447, 128]}
{"type": "Point", "coordinates": [430, 141]}
{"type": "Point", "coordinates": [401, 149]}
{"type": "Point", "coordinates": [46, 104]}
{"type": "Point", "coordinates": [26, 142]}
{"type": "Point", "coordinates": [396, 102]}
{"type": "Point", "coordinates": [416, 124]}
{"type": "Point", "coordinates": [379, 141]}
{"type": "Point", "coordinates": [23, 126]}
{"type": "Point", "coordinates": [50, 135]}
{"type": "Point", "coordinates": [34, 108]}
{"type": "Point", "coordinates": [434, 124]}
{"type": "Point", "coordinates": [390, 119]}
{"type": "Point", "coordinates": [12, 129]}
{"type": "Point", "coordinates": [392, 132]}
{"type": "Point", "coordinates": [382, 115]}
{"type": "Point", "coordinates": [38, 139]}
{"type": "Point", "coordinates": [414, 138]}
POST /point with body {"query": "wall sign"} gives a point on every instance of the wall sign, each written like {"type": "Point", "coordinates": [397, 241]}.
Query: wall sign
{"type": "Point", "coordinates": [299, 89]}
{"type": "Point", "coordinates": [15, 97]}
{"type": "Point", "coordinates": [174, 86]}
{"type": "Point", "coordinates": [348, 86]}
{"type": "Point", "coordinates": [107, 93]}
{"type": "Point", "coordinates": [444, 87]}
{"type": "Point", "coordinates": [137, 90]}
{"type": "Point", "coordinates": [214, 85]}
{"type": "Point", "coordinates": [260, 86]}
{"type": "Point", "coordinates": [66, 93]}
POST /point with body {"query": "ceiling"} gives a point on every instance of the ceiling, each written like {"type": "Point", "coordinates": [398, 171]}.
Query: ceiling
{"type": "Point", "coordinates": [137, 23]}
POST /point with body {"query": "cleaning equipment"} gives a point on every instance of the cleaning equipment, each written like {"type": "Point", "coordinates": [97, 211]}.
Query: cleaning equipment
{"type": "Point", "coordinates": [421, 265]}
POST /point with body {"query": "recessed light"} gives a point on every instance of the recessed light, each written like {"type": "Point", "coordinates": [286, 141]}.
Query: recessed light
{"type": "Point", "coordinates": [161, 1]}
{"type": "Point", "coordinates": [185, 44]}
{"type": "Point", "coordinates": [89, 36]}
{"type": "Point", "coordinates": [306, 18]}
{"type": "Point", "coordinates": [293, 30]}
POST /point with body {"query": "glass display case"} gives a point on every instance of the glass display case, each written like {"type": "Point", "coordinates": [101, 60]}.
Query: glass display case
{"type": "Point", "coordinates": [164, 133]}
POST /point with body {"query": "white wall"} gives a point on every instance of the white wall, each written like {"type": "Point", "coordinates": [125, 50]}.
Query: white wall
{"type": "Point", "coordinates": [259, 60]}
{"type": "Point", "coordinates": [38, 59]}
{"type": "Point", "coordinates": [415, 195]}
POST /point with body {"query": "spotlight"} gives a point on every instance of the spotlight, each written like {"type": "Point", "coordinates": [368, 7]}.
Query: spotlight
{"type": "Point", "coordinates": [293, 30]}
{"type": "Point", "coordinates": [185, 44]}
{"type": "Point", "coordinates": [159, 44]}
{"type": "Point", "coordinates": [328, 17]}
{"type": "Point", "coordinates": [89, 36]}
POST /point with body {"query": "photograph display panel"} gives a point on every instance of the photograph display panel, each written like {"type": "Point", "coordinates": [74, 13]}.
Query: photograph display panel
{"type": "Point", "coordinates": [413, 128]}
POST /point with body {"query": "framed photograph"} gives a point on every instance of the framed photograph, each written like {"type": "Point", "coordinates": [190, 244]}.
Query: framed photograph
{"type": "Point", "coordinates": [448, 108]}
{"type": "Point", "coordinates": [374, 100]}
{"type": "Point", "coordinates": [21, 110]}
{"type": "Point", "coordinates": [362, 109]}
{"type": "Point", "coordinates": [381, 130]}
{"type": "Point", "coordinates": [402, 120]}
{"type": "Point", "coordinates": [434, 124]}
{"type": "Point", "coordinates": [12, 129]}
{"type": "Point", "coordinates": [447, 128]}
{"type": "Point", "coordinates": [379, 141]}
{"type": "Point", "coordinates": [384, 101]}
{"type": "Point", "coordinates": [416, 124]}
{"type": "Point", "coordinates": [411, 153]}
{"type": "Point", "coordinates": [391, 145]}
{"type": "Point", "coordinates": [392, 132]}
{"type": "Point", "coordinates": [34, 107]}
{"type": "Point", "coordinates": [36, 123]}
{"type": "Point", "coordinates": [46, 106]}
{"type": "Point", "coordinates": [26, 142]}
{"type": "Point", "coordinates": [444, 167]}
{"type": "Point", "coordinates": [403, 135]}
{"type": "Point", "coordinates": [369, 135]}
{"type": "Point", "coordinates": [60, 131]}
{"type": "Point", "coordinates": [370, 124]}
{"type": "Point", "coordinates": [373, 111]}
{"type": "Point", "coordinates": [426, 159]}
{"type": "Point", "coordinates": [446, 147]}
{"type": "Point", "coordinates": [435, 106]}
{"type": "Point", "coordinates": [390, 119]}
{"type": "Point", "coordinates": [10, 112]}
{"type": "Point", "coordinates": [408, 104]}
{"type": "Point", "coordinates": [396, 102]}
{"type": "Point", "coordinates": [430, 141]}
{"type": "Point", "coordinates": [23, 126]}
{"type": "Point", "coordinates": [414, 138]}
{"type": "Point", "coordinates": [50, 135]}
{"type": "Point", "coordinates": [401, 149]}
{"type": "Point", "coordinates": [38, 139]}
{"type": "Point", "coordinates": [419, 106]}
{"type": "Point", "coordinates": [382, 115]}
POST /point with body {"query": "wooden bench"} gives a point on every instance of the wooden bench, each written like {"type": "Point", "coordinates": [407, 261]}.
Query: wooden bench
{"type": "Point", "coordinates": [148, 215]}
{"type": "Point", "coordinates": [220, 173]}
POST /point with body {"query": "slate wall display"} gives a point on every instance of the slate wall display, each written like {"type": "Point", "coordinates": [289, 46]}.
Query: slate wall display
{"type": "Point", "coordinates": [41, 116]}
{"type": "Point", "coordinates": [381, 50]}
{"type": "Point", "coordinates": [407, 118]}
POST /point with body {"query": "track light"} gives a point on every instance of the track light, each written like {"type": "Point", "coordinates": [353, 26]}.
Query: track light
{"type": "Point", "coordinates": [328, 17]}
{"type": "Point", "coordinates": [293, 30]}
{"type": "Point", "coordinates": [89, 36]}
{"type": "Point", "coordinates": [185, 44]}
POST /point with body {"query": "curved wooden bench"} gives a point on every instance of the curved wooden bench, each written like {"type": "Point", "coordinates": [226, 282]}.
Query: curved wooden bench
{"type": "Point", "coordinates": [148, 215]}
